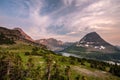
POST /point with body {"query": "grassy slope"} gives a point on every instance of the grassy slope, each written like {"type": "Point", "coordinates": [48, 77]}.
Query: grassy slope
{"type": "Point", "coordinates": [76, 70]}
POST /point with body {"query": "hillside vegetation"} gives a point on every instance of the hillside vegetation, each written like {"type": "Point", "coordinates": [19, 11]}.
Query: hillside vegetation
{"type": "Point", "coordinates": [22, 61]}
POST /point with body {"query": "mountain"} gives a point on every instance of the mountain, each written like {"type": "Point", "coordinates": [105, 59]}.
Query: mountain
{"type": "Point", "coordinates": [53, 44]}
{"type": "Point", "coordinates": [94, 47]}
{"type": "Point", "coordinates": [10, 36]}
{"type": "Point", "coordinates": [92, 42]}
{"type": "Point", "coordinates": [118, 47]}
{"type": "Point", "coordinates": [24, 35]}
{"type": "Point", "coordinates": [15, 33]}
{"type": "Point", "coordinates": [21, 61]}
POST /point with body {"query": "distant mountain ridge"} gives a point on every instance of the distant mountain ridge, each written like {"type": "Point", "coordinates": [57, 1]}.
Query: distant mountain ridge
{"type": "Point", "coordinates": [53, 44]}
{"type": "Point", "coordinates": [90, 46]}
{"type": "Point", "coordinates": [91, 42]}
{"type": "Point", "coordinates": [118, 47]}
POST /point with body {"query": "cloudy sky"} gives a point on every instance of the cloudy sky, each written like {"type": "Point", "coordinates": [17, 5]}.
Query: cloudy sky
{"type": "Point", "coordinates": [67, 20]}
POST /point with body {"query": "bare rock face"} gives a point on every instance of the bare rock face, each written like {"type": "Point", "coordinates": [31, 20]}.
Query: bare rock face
{"type": "Point", "coordinates": [94, 39]}
{"type": "Point", "coordinates": [51, 43]}
{"type": "Point", "coordinates": [90, 43]}
{"type": "Point", "coordinates": [24, 35]}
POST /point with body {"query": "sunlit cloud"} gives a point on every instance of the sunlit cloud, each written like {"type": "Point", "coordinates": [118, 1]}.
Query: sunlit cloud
{"type": "Point", "coordinates": [63, 19]}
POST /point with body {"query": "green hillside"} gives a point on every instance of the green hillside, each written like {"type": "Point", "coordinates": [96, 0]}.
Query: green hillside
{"type": "Point", "coordinates": [22, 61]}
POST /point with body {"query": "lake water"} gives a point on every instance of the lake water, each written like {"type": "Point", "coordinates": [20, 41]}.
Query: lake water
{"type": "Point", "coordinates": [78, 56]}
{"type": "Point", "coordinates": [69, 54]}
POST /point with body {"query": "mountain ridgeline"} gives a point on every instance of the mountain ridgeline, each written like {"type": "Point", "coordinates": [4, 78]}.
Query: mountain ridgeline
{"type": "Point", "coordinates": [23, 58]}
{"type": "Point", "coordinates": [93, 42]}
{"type": "Point", "coordinates": [53, 44]}
{"type": "Point", "coordinates": [90, 46]}
{"type": "Point", "coordinates": [24, 35]}
{"type": "Point", "coordinates": [10, 36]}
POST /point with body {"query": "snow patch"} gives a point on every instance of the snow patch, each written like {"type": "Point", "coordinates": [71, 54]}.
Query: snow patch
{"type": "Point", "coordinates": [96, 47]}
{"type": "Point", "coordinates": [99, 47]}
{"type": "Point", "coordinates": [102, 47]}
{"type": "Point", "coordinates": [86, 45]}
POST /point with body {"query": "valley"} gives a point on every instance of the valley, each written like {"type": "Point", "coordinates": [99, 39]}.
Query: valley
{"type": "Point", "coordinates": [59, 40]}
{"type": "Point", "coordinates": [25, 59]}
{"type": "Point", "coordinates": [34, 61]}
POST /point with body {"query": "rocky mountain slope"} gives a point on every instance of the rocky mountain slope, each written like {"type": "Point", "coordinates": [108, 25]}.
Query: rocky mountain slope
{"type": "Point", "coordinates": [24, 35]}
{"type": "Point", "coordinates": [118, 47]}
{"type": "Point", "coordinates": [92, 42]}
{"type": "Point", "coordinates": [53, 44]}
{"type": "Point", "coordinates": [13, 35]}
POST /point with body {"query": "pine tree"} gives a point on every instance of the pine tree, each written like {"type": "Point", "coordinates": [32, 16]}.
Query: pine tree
{"type": "Point", "coordinates": [49, 62]}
